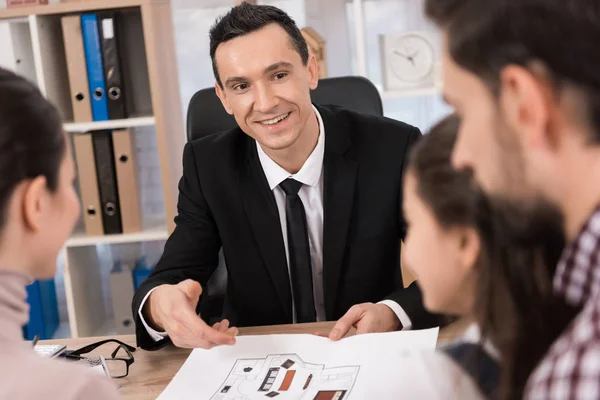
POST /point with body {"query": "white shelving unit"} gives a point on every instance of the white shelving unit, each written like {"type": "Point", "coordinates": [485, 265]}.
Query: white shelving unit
{"type": "Point", "coordinates": [31, 44]}
{"type": "Point", "coordinates": [359, 29]}
{"type": "Point", "coordinates": [74, 127]}
{"type": "Point", "coordinates": [154, 230]}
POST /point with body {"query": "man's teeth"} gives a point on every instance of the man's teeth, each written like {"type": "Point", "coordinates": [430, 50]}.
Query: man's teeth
{"type": "Point", "coordinates": [275, 120]}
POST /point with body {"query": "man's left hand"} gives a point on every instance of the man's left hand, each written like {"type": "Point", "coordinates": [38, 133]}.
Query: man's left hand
{"type": "Point", "coordinates": [366, 318]}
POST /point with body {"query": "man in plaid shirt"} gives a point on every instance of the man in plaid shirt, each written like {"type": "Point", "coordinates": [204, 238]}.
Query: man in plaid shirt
{"type": "Point", "coordinates": [524, 76]}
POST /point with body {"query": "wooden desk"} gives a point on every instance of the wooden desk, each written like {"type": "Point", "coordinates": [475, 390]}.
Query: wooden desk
{"type": "Point", "coordinates": [153, 370]}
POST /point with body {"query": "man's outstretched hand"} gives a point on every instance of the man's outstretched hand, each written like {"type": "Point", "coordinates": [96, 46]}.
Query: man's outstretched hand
{"type": "Point", "coordinates": [172, 308]}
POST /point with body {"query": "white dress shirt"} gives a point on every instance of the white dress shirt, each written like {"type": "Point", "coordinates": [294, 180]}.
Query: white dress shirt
{"type": "Point", "coordinates": [311, 194]}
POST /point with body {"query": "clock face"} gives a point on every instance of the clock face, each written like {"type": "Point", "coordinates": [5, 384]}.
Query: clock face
{"type": "Point", "coordinates": [412, 58]}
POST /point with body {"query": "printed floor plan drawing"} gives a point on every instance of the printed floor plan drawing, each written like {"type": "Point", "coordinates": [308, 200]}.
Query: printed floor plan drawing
{"type": "Point", "coordinates": [286, 377]}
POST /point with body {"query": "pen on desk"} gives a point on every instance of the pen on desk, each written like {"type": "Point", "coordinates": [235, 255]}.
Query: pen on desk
{"type": "Point", "coordinates": [35, 340]}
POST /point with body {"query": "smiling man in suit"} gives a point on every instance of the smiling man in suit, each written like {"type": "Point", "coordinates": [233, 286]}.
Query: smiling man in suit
{"type": "Point", "coordinates": [303, 199]}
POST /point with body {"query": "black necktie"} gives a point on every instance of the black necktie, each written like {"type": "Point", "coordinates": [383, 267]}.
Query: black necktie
{"type": "Point", "coordinates": [299, 252]}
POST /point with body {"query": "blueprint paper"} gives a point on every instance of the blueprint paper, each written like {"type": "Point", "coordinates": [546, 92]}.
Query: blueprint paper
{"type": "Point", "coordinates": [304, 367]}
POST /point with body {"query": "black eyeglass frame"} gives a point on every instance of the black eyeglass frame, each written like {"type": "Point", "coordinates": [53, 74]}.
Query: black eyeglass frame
{"type": "Point", "coordinates": [78, 354]}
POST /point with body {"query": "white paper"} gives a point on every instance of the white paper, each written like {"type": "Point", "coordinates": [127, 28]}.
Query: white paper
{"type": "Point", "coordinates": [307, 367]}
{"type": "Point", "coordinates": [108, 29]}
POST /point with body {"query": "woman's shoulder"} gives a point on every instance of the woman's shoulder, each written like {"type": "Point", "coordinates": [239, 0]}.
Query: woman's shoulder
{"type": "Point", "coordinates": [449, 379]}
{"type": "Point", "coordinates": [477, 364]}
{"type": "Point", "coordinates": [33, 377]}
{"type": "Point", "coordinates": [462, 369]}
{"type": "Point", "coordinates": [476, 359]}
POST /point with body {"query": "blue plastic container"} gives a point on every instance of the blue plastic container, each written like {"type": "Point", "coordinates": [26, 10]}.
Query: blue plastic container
{"type": "Point", "coordinates": [141, 271]}
{"type": "Point", "coordinates": [43, 310]}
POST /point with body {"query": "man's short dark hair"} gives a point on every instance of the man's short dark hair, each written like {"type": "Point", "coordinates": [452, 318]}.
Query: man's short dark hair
{"type": "Point", "coordinates": [562, 36]}
{"type": "Point", "coordinates": [247, 18]}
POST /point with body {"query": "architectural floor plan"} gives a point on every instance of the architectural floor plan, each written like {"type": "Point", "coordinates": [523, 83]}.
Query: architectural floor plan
{"type": "Point", "coordinates": [305, 367]}
{"type": "Point", "coordinates": [286, 377]}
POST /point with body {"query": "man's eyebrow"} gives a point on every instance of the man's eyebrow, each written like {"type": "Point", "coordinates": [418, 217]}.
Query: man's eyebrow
{"type": "Point", "coordinates": [270, 68]}
{"type": "Point", "coordinates": [235, 79]}
{"type": "Point", "coordinates": [276, 66]}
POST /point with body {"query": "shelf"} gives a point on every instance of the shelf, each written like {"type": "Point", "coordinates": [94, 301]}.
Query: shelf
{"type": "Point", "coordinates": [388, 95]}
{"type": "Point", "coordinates": [18, 20]}
{"type": "Point", "coordinates": [71, 7]}
{"type": "Point", "coordinates": [111, 124]}
{"type": "Point", "coordinates": [107, 329]}
{"type": "Point", "coordinates": [154, 231]}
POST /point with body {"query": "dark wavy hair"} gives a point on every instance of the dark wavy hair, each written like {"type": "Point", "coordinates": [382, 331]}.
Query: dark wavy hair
{"type": "Point", "coordinates": [515, 306]}
{"type": "Point", "coordinates": [32, 141]}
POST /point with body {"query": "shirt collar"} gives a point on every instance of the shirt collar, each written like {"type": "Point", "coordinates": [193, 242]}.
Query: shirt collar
{"type": "Point", "coordinates": [472, 334]}
{"type": "Point", "coordinates": [309, 174]}
{"type": "Point", "coordinates": [577, 278]}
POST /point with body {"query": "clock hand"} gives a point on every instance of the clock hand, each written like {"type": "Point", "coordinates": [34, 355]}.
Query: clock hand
{"type": "Point", "coordinates": [400, 54]}
{"type": "Point", "coordinates": [412, 60]}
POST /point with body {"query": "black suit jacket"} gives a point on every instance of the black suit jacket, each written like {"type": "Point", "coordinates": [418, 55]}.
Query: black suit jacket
{"type": "Point", "coordinates": [225, 201]}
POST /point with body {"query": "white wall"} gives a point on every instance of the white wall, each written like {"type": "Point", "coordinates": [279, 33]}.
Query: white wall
{"type": "Point", "coordinates": [329, 19]}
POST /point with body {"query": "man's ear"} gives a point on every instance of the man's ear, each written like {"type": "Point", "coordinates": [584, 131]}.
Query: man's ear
{"type": "Point", "coordinates": [526, 100]}
{"type": "Point", "coordinates": [223, 97]}
{"type": "Point", "coordinates": [313, 71]}
{"type": "Point", "coordinates": [34, 199]}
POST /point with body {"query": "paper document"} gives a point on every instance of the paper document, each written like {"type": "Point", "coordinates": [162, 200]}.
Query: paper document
{"type": "Point", "coordinates": [302, 367]}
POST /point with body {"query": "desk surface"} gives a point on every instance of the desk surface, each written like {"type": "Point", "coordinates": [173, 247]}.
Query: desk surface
{"type": "Point", "coordinates": [152, 371]}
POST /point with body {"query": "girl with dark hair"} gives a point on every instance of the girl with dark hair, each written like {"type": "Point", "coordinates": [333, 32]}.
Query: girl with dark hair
{"type": "Point", "coordinates": [38, 210]}
{"type": "Point", "coordinates": [467, 264]}
{"type": "Point", "coordinates": [443, 247]}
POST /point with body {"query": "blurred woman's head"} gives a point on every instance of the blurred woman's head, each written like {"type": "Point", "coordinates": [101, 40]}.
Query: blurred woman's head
{"type": "Point", "coordinates": [442, 207]}
{"type": "Point", "coordinates": [38, 203]}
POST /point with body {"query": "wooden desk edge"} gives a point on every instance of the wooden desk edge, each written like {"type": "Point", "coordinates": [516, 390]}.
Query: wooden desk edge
{"type": "Point", "coordinates": [446, 334]}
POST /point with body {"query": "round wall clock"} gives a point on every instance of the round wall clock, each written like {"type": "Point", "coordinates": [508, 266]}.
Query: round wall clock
{"type": "Point", "coordinates": [412, 58]}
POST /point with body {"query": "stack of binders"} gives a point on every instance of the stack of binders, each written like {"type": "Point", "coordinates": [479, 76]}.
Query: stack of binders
{"type": "Point", "coordinates": [108, 183]}
{"type": "Point", "coordinates": [96, 76]}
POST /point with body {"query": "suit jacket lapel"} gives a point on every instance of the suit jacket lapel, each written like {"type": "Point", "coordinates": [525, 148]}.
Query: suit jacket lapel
{"type": "Point", "coordinates": [340, 167]}
{"type": "Point", "coordinates": [264, 218]}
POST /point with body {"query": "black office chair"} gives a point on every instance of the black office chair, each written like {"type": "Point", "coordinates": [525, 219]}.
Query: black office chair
{"type": "Point", "coordinates": [206, 116]}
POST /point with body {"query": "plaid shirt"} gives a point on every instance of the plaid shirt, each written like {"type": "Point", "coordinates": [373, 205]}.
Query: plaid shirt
{"type": "Point", "coordinates": [571, 369]}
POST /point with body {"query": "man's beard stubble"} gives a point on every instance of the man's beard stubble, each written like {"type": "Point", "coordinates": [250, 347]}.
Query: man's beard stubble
{"type": "Point", "coordinates": [528, 219]}
{"type": "Point", "coordinates": [511, 163]}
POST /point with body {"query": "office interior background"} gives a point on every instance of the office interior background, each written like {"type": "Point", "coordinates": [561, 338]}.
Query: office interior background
{"type": "Point", "coordinates": [351, 29]}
